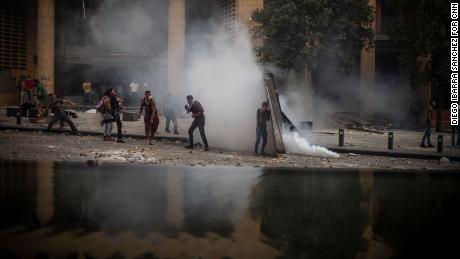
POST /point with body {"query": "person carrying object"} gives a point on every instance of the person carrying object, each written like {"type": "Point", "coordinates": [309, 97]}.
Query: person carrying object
{"type": "Point", "coordinates": [115, 109]}
{"type": "Point", "coordinates": [199, 121]}
{"type": "Point", "coordinates": [263, 115]}
{"type": "Point", "coordinates": [57, 106]}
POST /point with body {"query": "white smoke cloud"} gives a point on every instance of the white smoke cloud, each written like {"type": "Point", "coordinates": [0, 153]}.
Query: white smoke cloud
{"type": "Point", "coordinates": [227, 81]}
{"type": "Point", "coordinates": [295, 144]}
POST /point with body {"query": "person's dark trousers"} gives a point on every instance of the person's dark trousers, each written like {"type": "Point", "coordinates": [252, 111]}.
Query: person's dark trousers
{"type": "Point", "coordinates": [427, 136]}
{"type": "Point", "coordinates": [173, 119]}
{"type": "Point", "coordinates": [115, 118]}
{"type": "Point", "coordinates": [261, 133]}
{"type": "Point", "coordinates": [88, 98]}
{"type": "Point", "coordinates": [61, 118]}
{"type": "Point", "coordinates": [198, 123]}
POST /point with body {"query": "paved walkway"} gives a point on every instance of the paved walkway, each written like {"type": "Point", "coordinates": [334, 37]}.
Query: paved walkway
{"type": "Point", "coordinates": [405, 142]}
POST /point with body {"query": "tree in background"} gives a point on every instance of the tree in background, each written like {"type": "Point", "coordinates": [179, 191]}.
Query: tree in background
{"type": "Point", "coordinates": [300, 34]}
{"type": "Point", "coordinates": [422, 32]}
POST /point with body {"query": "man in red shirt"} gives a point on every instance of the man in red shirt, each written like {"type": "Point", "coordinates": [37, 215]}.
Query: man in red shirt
{"type": "Point", "coordinates": [30, 85]}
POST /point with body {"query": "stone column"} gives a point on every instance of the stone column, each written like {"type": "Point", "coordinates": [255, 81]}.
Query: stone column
{"type": "Point", "coordinates": [367, 73]}
{"type": "Point", "coordinates": [45, 43]}
{"type": "Point", "coordinates": [176, 46]}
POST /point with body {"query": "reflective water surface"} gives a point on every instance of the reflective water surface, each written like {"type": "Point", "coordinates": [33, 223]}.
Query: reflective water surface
{"type": "Point", "coordinates": [70, 210]}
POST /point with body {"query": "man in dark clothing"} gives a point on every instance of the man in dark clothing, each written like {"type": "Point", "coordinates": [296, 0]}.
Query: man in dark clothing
{"type": "Point", "coordinates": [57, 106]}
{"type": "Point", "coordinates": [428, 126]}
{"type": "Point", "coordinates": [198, 113]}
{"type": "Point", "coordinates": [263, 115]}
{"type": "Point", "coordinates": [170, 114]}
{"type": "Point", "coordinates": [115, 106]}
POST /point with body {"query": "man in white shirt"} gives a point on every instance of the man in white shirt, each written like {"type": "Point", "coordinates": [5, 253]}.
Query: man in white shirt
{"type": "Point", "coordinates": [133, 91]}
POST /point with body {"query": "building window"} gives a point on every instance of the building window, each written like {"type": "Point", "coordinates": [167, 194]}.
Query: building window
{"type": "Point", "coordinates": [226, 17]}
{"type": "Point", "coordinates": [13, 34]}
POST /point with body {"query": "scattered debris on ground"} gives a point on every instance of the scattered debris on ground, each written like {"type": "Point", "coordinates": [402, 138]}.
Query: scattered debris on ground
{"type": "Point", "coordinates": [94, 151]}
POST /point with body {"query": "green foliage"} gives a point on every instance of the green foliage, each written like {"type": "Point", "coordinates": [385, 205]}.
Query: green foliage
{"type": "Point", "coordinates": [422, 31]}
{"type": "Point", "coordinates": [299, 33]}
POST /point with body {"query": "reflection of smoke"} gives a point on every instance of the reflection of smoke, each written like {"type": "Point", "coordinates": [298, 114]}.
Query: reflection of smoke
{"type": "Point", "coordinates": [296, 144]}
{"type": "Point", "coordinates": [227, 81]}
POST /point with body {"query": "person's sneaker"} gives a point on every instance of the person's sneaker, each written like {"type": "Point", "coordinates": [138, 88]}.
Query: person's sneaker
{"type": "Point", "coordinates": [106, 138]}
{"type": "Point", "coordinates": [422, 145]}
{"type": "Point", "coordinates": [120, 141]}
{"type": "Point", "coordinates": [189, 147]}
{"type": "Point", "coordinates": [167, 130]}
{"type": "Point", "coordinates": [206, 149]}
{"type": "Point", "coordinates": [430, 145]}
{"type": "Point", "coordinates": [102, 123]}
{"type": "Point", "coordinates": [176, 133]}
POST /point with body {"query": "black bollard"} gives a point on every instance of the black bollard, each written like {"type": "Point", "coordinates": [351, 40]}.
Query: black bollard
{"type": "Point", "coordinates": [390, 140]}
{"type": "Point", "coordinates": [341, 137]}
{"type": "Point", "coordinates": [18, 118]}
{"type": "Point", "coordinates": [440, 143]}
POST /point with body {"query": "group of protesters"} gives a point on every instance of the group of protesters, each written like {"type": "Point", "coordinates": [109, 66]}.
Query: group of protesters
{"type": "Point", "coordinates": [32, 93]}
{"type": "Point", "coordinates": [110, 107]}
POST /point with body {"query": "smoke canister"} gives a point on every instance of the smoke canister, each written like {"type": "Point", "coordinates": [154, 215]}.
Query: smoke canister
{"type": "Point", "coordinates": [341, 137]}
{"type": "Point", "coordinates": [390, 140]}
{"type": "Point", "coordinates": [440, 140]}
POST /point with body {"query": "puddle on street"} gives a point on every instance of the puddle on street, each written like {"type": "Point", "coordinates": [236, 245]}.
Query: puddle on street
{"type": "Point", "coordinates": [123, 211]}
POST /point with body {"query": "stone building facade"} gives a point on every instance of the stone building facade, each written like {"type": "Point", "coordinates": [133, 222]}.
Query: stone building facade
{"type": "Point", "coordinates": [47, 40]}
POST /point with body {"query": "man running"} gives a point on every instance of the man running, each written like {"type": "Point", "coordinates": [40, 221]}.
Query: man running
{"type": "Point", "coordinates": [199, 121]}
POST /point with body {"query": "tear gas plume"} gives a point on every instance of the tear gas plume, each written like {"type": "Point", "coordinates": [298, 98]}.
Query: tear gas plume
{"type": "Point", "coordinates": [221, 71]}
{"type": "Point", "coordinates": [295, 144]}
{"type": "Point", "coordinates": [227, 81]}
{"type": "Point", "coordinates": [389, 100]}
